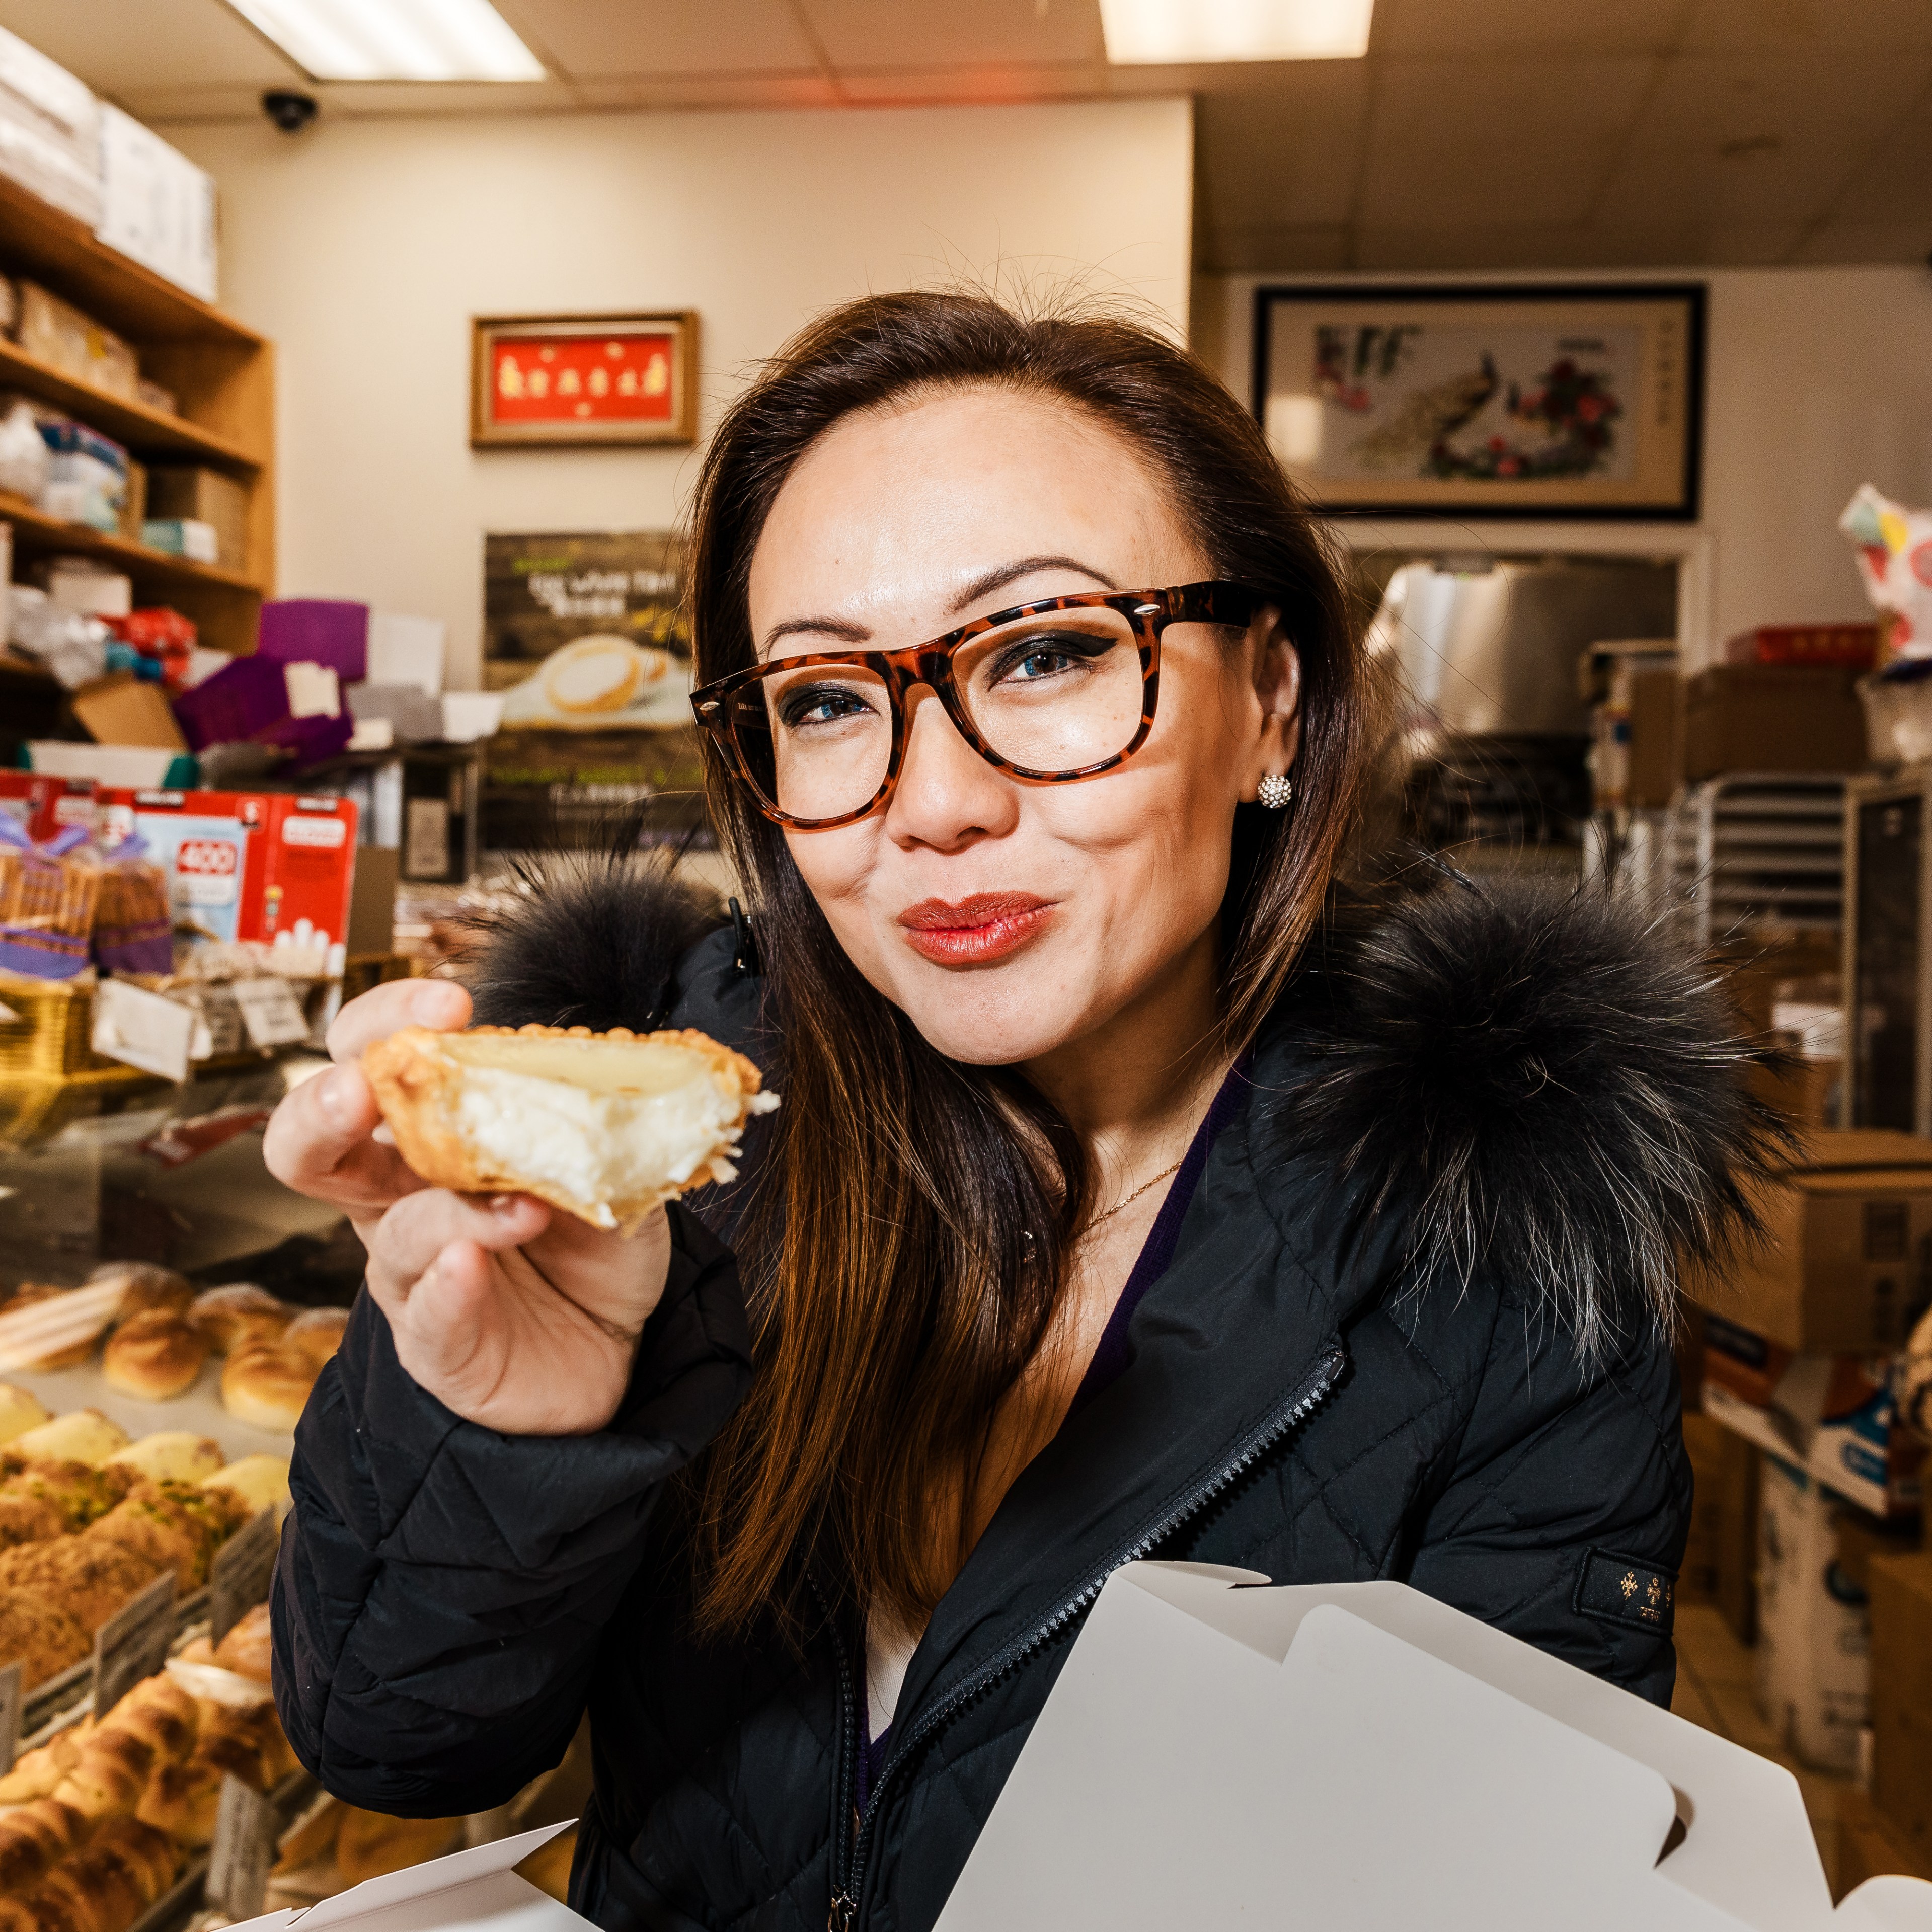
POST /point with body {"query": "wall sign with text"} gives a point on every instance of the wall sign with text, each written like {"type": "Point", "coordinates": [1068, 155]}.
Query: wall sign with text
{"type": "Point", "coordinates": [548, 381]}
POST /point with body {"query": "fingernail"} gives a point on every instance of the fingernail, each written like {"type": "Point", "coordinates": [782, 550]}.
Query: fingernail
{"type": "Point", "coordinates": [504, 1203]}
{"type": "Point", "coordinates": [332, 1092]}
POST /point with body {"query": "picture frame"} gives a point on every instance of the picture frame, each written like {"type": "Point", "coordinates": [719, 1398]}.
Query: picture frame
{"type": "Point", "coordinates": [1464, 400]}
{"type": "Point", "coordinates": [574, 382]}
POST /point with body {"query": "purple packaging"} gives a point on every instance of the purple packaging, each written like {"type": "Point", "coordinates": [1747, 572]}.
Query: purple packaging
{"type": "Point", "coordinates": [240, 700]}
{"type": "Point", "coordinates": [317, 630]}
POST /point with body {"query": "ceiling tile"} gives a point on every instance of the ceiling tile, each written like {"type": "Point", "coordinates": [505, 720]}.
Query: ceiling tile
{"type": "Point", "coordinates": [1890, 185]}
{"type": "Point", "coordinates": [1793, 182]}
{"type": "Point", "coordinates": [890, 33]}
{"type": "Point", "coordinates": [990, 83]}
{"type": "Point", "coordinates": [1516, 27]}
{"type": "Point", "coordinates": [1275, 250]}
{"type": "Point", "coordinates": [1410, 183]}
{"type": "Point", "coordinates": [1824, 26]}
{"type": "Point", "coordinates": [1718, 98]}
{"type": "Point", "coordinates": [1289, 156]}
{"type": "Point", "coordinates": [1839, 243]}
{"type": "Point", "coordinates": [121, 47]}
{"type": "Point", "coordinates": [605, 39]}
{"type": "Point", "coordinates": [1536, 102]}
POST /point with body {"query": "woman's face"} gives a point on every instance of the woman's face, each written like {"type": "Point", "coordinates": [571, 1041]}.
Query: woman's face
{"type": "Point", "coordinates": [1008, 919]}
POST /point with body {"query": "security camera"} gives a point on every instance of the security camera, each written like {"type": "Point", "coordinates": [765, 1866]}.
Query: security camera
{"type": "Point", "coordinates": [289, 111]}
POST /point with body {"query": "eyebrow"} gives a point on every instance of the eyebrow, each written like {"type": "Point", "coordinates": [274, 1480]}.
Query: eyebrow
{"type": "Point", "coordinates": [984, 585]}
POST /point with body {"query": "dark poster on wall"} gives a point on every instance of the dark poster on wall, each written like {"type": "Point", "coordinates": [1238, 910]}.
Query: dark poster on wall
{"type": "Point", "coordinates": [582, 634]}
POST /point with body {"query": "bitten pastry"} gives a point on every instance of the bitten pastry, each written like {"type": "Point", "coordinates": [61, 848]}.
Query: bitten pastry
{"type": "Point", "coordinates": [155, 1354]}
{"type": "Point", "coordinates": [238, 1313]}
{"type": "Point", "coordinates": [604, 1125]}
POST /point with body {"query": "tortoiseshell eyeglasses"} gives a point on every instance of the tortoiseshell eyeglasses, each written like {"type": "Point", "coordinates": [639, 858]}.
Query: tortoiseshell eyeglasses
{"type": "Point", "coordinates": [1051, 691]}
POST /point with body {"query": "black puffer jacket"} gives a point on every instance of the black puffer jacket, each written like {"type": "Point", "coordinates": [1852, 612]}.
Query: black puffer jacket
{"type": "Point", "coordinates": [1473, 1138]}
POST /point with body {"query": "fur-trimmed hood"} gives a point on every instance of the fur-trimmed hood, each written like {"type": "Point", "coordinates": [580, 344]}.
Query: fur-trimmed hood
{"type": "Point", "coordinates": [1541, 1083]}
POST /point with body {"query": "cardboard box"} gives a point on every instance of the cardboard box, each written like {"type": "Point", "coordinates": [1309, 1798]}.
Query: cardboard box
{"type": "Point", "coordinates": [1654, 704]}
{"type": "Point", "coordinates": [156, 205]}
{"type": "Point", "coordinates": [1847, 1264]}
{"type": "Point", "coordinates": [123, 710]}
{"type": "Point", "coordinates": [46, 805]}
{"type": "Point", "coordinates": [1772, 717]}
{"type": "Point", "coordinates": [1361, 1758]}
{"type": "Point", "coordinates": [307, 884]}
{"type": "Point", "coordinates": [1901, 1641]}
{"type": "Point", "coordinates": [210, 844]}
{"type": "Point", "coordinates": [1846, 646]}
{"type": "Point", "coordinates": [193, 494]}
{"type": "Point", "coordinates": [1835, 1416]}
{"type": "Point", "coordinates": [1721, 1563]}
{"type": "Point", "coordinates": [1812, 1666]}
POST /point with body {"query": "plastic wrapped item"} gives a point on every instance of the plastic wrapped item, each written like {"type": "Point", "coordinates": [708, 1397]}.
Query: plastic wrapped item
{"type": "Point", "coordinates": [47, 915]}
{"type": "Point", "coordinates": [24, 456]}
{"type": "Point", "coordinates": [73, 648]}
{"type": "Point", "coordinates": [133, 923]}
{"type": "Point", "coordinates": [163, 642]}
{"type": "Point", "coordinates": [87, 476]}
{"type": "Point", "coordinates": [1894, 551]}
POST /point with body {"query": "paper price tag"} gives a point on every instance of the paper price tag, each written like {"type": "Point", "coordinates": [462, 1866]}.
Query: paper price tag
{"type": "Point", "coordinates": [270, 1012]}
{"type": "Point", "coordinates": [239, 1579]}
{"type": "Point", "coordinates": [243, 1850]}
{"type": "Point", "coordinates": [134, 1644]}
{"type": "Point", "coordinates": [142, 1029]}
{"type": "Point", "coordinates": [10, 1680]}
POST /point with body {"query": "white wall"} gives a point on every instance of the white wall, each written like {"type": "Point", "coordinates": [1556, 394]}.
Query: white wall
{"type": "Point", "coordinates": [363, 248]}
{"type": "Point", "coordinates": [1817, 380]}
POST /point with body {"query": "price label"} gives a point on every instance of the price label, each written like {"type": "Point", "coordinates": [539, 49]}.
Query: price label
{"type": "Point", "coordinates": [243, 1851]}
{"type": "Point", "coordinates": [142, 1029]}
{"type": "Point", "coordinates": [134, 1644]}
{"type": "Point", "coordinates": [10, 1715]}
{"type": "Point", "coordinates": [239, 1579]}
{"type": "Point", "coordinates": [270, 1011]}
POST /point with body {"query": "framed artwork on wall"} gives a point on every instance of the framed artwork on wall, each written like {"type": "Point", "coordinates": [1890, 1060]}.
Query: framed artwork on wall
{"type": "Point", "coordinates": [1457, 401]}
{"type": "Point", "coordinates": [558, 381]}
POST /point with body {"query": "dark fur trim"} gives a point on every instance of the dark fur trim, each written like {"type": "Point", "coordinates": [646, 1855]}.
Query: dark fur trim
{"type": "Point", "coordinates": [591, 939]}
{"type": "Point", "coordinates": [1548, 1088]}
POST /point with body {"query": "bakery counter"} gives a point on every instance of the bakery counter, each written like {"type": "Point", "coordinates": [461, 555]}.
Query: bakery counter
{"type": "Point", "coordinates": [100, 1167]}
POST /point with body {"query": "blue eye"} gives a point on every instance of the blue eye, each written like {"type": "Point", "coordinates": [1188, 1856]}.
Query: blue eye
{"type": "Point", "coordinates": [820, 704]}
{"type": "Point", "coordinates": [1035, 660]}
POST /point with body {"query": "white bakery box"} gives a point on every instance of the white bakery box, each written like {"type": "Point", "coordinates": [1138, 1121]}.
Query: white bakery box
{"type": "Point", "coordinates": [1351, 1757]}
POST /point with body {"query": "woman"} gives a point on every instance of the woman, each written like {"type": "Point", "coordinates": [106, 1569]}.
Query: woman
{"type": "Point", "coordinates": [1117, 1205]}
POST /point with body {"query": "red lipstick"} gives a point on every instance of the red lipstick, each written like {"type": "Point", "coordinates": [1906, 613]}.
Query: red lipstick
{"type": "Point", "coordinates": [976, 931]}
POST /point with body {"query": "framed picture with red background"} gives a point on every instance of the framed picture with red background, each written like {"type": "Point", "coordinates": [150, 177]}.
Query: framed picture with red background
{"type": "Point", "coordinates": [550, 382]}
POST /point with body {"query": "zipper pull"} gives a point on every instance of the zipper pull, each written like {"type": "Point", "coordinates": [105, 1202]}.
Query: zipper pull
{"type": "Point", "coordinates": [845, 1912]}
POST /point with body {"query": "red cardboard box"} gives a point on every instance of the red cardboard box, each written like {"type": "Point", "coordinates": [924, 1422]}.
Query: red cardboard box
{"type": "Point", "coordinates": [45, 805]}
{"type": "Point", "coordinates": [308, 872]}
{"type": "Point", "coordinates": [209, 844]}
{"type": "Point", "coordinates": [1850, 647]}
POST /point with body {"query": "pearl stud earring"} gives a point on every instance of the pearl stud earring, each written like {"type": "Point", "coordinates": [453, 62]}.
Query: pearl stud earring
{"type": "Point", "coordinates": [1274, 791]}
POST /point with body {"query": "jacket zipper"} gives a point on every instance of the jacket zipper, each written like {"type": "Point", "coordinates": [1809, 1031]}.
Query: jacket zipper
{"type": "Point", "coordinates": [849, 1849]}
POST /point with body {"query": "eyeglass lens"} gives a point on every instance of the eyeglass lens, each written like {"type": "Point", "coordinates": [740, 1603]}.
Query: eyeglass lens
{"type": "Point", "coordinates": [1050, 693]}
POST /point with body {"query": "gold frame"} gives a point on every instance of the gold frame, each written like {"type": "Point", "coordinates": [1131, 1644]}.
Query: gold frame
{"type": "Point", "coordinates": [485, 331]}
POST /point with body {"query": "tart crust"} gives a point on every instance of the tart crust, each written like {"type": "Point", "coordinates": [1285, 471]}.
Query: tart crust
{"type": "Point", "coordinates": [418, 1085]}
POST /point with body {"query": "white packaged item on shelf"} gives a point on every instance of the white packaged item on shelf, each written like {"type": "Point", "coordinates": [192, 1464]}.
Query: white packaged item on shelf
{"type": "Point", "coordinates": [468, 715]}
{"type": "Point", "coordinates": [72, 647]}
{"type": "Point", "coordinates": [90, 590]}
{"type": "Point", "coordinates": [1813, 1655]}
{"type": "Point", "coordinates": [157, 207]}
{"type": "Point", "coordinates": [139, 767]}
{"type": "Point", "coordinates": [1359, 1756]}
{"type": "Point", "coordinates": [405, 650]}
{"type": "Point", "coordinates": [49, 129]}
{"type": "Point", "coordinates": [24, 456]}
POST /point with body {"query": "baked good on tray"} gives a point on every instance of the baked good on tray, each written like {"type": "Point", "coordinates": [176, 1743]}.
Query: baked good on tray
{"type": "Point", "coordinates": [604, 1125]}
{"type": "Point", "coordinates": [155, 1354]}
{"type": "Point", "coordinates": [238, 1313]}
{"type": "Point", "coordinates": [268, 1383]}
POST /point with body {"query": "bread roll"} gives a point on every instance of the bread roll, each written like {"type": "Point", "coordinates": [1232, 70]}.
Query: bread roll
{"type": "Point", "coordinates": [144, 1287]}
{"type": "Point", "coordinates": [149, 1854]}
{"type": "Point", "coordinates": [182, 1799]}
{"type": "Point", "coordinates": [160, 1713]}
{"type": "Point", "coordinates": [267, 1384]}
{"type": "Point", "coordinates": [89, 1577]}
{"type": "Point", "coordinates": [42, 1636]}
{"type": "Point", "coordinates": [109, 1775]}
{"type": "Point", "coordinates": [37, 1773]}
{"type": "Point", "coordinates": [246, 1742]}
{"type": "Point", "coordinates": [170, 1455]}
{"type": "Point", "coordinates": [604, 1125]}
{"type": "Point", "coordinates": [155, 1354]}
{"type": "Point", "coordinates": [248, 1649]}
{"type": "Point", "coordinates": [82, 1435]}
{"type": "Point", "coordinates": [369, 1844]}
{"type": "Point", "coordinates": [256, 1482]}
{"type": "Point", "coordinates": [34, 1837]}
{"type": "Point", "coordinates": [240, 1312]}
{"type": "Point", "coordinates": [316, 1332]}
{"type": "Point", "coordinates": [19, 1411]}
{"type": "Point", "coordinates": [90, 1891]}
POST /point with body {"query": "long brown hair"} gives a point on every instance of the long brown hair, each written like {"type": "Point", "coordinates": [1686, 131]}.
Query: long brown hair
{"type": "Point", "coordinates": [911, 1233]}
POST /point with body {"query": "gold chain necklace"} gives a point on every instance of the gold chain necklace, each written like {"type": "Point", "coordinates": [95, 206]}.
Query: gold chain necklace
{"type": "Point", "coordinates": [1128, 1200]}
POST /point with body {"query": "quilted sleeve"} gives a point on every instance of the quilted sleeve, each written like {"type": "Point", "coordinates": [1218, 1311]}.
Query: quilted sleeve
{"type": "Point", "coordinates": [442, 1588]}
{"type": "Point", "coordinates": [1564, 1517]}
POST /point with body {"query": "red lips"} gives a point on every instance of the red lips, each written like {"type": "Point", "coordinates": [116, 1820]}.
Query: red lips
{"type": "Point", "coordinates": [972, 932]}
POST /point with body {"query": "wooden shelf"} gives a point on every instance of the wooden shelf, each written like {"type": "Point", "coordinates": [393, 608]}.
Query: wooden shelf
{"type": "Point", "coordinates": [148, 434]}
{"type": "Point", "coordinates": [37, 534]}
{"type": "Point", "coordinates": [42, 241]}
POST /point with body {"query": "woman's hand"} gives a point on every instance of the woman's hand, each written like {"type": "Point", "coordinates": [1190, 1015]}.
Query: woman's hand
{"type": "Point", "coordinates": [514, 1314]}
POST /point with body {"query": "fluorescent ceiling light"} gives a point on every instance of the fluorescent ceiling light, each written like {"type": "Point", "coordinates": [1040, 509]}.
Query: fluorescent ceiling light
{"type": "Point", "coordinates": [394, 39]}
{"type": "Point", "coordinates": [1175, 32]}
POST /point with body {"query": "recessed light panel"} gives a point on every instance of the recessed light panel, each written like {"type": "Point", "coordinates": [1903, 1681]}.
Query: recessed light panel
{"type": "Point", "coordinates": [1179, 32]}
{"type": "Point", "coordinates": [394, 39]}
